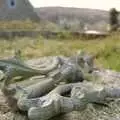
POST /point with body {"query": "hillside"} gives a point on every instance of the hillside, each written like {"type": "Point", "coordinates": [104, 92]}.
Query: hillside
{"type": "Point", "coordinates": [74, 17]}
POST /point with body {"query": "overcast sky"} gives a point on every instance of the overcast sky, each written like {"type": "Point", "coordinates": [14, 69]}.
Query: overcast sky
{"type": "Point", "coordinates": [97, 4]}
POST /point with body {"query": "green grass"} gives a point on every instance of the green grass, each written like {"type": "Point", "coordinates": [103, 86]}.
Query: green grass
{"type": "Point", "coordinates": [106, 50]}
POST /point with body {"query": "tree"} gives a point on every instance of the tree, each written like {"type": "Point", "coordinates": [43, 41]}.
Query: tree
{"type": "Point", "coordinates": [113, 19]}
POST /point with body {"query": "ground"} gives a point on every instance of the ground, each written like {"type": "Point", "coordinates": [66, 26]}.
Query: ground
{"type": "Point", "coordinates": [106, 51]}
{"type": "Point", "coordinates": [94, 112]}
{"type": "Point", "coordinates": [5, 113]}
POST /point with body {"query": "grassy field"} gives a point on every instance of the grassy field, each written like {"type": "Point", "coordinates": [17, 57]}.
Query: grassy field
{"type": "Point", "coordinates": [106, 50]}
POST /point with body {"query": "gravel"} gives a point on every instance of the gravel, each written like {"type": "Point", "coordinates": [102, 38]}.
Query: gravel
{"type": "Point", "coordinates": [5, 113]}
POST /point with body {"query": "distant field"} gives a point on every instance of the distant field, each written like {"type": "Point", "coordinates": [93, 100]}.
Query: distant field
{"type": "Point", "coordinates": [106, 50]}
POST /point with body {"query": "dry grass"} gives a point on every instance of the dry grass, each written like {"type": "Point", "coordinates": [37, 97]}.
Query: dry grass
{"type": "Point", "coordinates": [106, 50]}
{"type": "Point", "coordinates": [18, 25]}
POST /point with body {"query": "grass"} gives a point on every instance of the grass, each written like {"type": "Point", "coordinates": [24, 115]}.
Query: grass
{"type": "Point", "coordinates": [18, 25]}
{"type": "Point", "coordinates": [106, 50]}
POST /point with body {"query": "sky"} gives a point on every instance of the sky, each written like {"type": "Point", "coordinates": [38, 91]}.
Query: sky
{"type": "Point", "coordinates": [95, 4]}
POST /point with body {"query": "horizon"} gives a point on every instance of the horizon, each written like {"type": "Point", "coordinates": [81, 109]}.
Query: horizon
{"type": "Point", "coordinates": [99, 4]}
{"type": "Point", "coordinates": [70, 7]}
